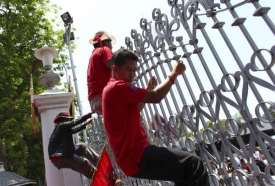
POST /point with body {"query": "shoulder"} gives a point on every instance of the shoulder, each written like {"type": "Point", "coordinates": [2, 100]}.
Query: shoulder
{"type": "Point", "coordinates": [133, 88]}
{"type": "Point", "coordinates": [108, 52]}
{"type": "Point", "coordinates": [107, 49]}
{"type": "Point", "coordinates": [96, 51]}
{"type": "Point", "coordinates": [118, 84]}
{"type": "Point", "coordinates": [122, 85]}
{"type": "Point", "coordinates": [62, 125]}
{"type": "Point", "coordinates": [114, 85]}
{"type": "Point", "coordinates": [125, 87]}
{"type": "Point", "coordinates": [102, 52]}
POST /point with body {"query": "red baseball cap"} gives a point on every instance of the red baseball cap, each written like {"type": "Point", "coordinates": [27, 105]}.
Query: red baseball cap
{"type": "Point", "coordinates": [62, 115]}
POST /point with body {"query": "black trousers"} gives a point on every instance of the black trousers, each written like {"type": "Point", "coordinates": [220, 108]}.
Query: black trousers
{"type": "Point", "coordinates": [84, 161]}
{"type": "Point", "coordinates": [169, 164]}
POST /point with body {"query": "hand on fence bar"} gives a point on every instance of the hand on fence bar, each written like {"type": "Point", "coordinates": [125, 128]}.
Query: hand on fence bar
{"type": "Point", "coordinates": [179, 67]}
{"type": "Point", "coordinates": [89, 121]}
{"type": "Point", "coordinates": [152, 83]}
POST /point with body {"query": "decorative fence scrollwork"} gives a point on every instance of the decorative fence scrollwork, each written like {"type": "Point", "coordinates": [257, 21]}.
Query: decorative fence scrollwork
{"type": "Point", "coordinates": [198, 114]}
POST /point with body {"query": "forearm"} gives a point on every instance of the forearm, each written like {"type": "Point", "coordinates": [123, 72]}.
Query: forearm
{"type": "Point", "coordinates": [156, 95]}
{"type": "Point", "coordinates": [162, 90]}
{"type": "Point", "coordinates": [79, 128]}
{"type": "Point", "coordinates": [81, 119]}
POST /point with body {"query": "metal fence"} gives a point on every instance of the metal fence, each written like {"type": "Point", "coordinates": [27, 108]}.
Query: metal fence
{"type": "Point", "coordinates": [223, 102]}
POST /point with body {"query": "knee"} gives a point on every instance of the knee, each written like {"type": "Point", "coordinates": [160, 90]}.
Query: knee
{"type": "Point", "coordinates": [82, 146]}
{"type": "Point", "coordinates": [200, 170]}
{"type": "Point", "coordinates": [198, 165]}
{"type": "Point", "coordinates": [57, 164]}
{"type": "Point", "coordinates": [62, 163]}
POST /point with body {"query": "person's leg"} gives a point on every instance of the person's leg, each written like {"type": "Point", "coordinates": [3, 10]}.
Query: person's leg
{"type": "Point", "coordinates": [78, 164]}
{"type": "Point", "coordinates": [261, 165]}
{"type": "Point", "coordinates": [183, 168]}
{"type": "Point", "coordinates": [96, 104]}
{"type": "Point", "coordinates": [87, 152]}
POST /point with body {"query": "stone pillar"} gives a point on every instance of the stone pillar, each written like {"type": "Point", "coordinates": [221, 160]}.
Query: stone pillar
{"type": "Point", "coordinates": [49, 104]}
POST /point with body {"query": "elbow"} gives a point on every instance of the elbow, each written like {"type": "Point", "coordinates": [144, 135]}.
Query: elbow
{"type": "Point", "coordinates": [152, 97]}
{"type": "Point", "coordinates": [156, 100]}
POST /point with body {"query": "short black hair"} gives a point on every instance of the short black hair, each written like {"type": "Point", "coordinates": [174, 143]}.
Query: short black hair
{"type": "Point", "coordinates": [96, 45]}
{"type": "Point", "coordinates": [120, 57]}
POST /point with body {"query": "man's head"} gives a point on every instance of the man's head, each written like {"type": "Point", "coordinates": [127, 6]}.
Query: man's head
{"type": "Point", "coordinates": [102, 38]}
{"type": "Point", "coordinates": [124, 65]}
{"type": "Point", "coordinates": [62, 117]}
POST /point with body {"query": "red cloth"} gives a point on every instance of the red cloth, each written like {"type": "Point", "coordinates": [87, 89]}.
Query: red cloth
{"type": "Point", "coordinates": [98, 74]}
{"type": "Point", "coordinates": [104, 176]}
{"type": "Point", "coordinates": [55, 158]}
{"type": "Point", "coordinates": [121, 119]}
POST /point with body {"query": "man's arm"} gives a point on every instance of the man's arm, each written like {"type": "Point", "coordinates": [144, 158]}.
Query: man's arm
{"type": "Point", "coordinates": [81, 127]}
{"type": "Point", "coordinates": [106, 57]}
{"type": "Point", "coordinates": [157, 94]}
{"type": "Point", "coordinates": [80, 120]}
{"type": "Point", "coordinates": [109, 65]}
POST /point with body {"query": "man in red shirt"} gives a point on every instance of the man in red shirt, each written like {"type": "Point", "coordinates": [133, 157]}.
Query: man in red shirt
{"type": "Point", "coordinates": [133, 153]}
{"type": "Point", "coordinates": [99, 69]}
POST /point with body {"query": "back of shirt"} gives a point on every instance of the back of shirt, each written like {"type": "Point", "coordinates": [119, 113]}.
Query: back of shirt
{"type": "Point", "coordinates": [98, 73]}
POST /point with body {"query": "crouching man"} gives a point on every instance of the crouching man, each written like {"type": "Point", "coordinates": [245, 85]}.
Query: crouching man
{"type": "Point", "coordinates": [63, 153]}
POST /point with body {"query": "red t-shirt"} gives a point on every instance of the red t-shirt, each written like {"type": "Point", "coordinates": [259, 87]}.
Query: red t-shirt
{"type": "Point", "coordinates": [98, 75]}
{"type": "Point", "coordinates": [121, 115]}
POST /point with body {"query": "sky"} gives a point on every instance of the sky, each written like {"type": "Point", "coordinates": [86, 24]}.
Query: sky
{"type": "Point", "coordinates": [119, 17]}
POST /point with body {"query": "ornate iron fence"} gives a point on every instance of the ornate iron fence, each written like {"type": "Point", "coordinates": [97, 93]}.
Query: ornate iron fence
{"type": "Point", "coordinates": [229, 72]}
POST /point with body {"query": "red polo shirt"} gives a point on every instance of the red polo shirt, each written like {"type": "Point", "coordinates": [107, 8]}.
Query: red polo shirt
{"type": "Point", "coordinates": [98, 75]}
{"type": "Point", "coordinates": [121, 115]}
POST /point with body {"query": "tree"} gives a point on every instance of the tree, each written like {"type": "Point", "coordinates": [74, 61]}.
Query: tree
{"type": "Point", "coordinates": [211, 125]}
{"type": "Point", "coordinates": [23, 28]}
{"type": "Point", "coordinates": [272, 112]}
{"type": "Point", "coordinates": [191, 134]}
{"type": "Point", "coordinates": [238, 116]}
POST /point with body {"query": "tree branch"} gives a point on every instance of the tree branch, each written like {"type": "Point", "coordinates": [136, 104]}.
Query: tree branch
{"type": "Point", "coordinates": [22, 86]}
{"type": "Point", "coordinates": [3, 11]}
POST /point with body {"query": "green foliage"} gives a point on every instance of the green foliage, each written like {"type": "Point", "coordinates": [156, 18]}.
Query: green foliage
{"type": "Point", "coordinates": [239, 117]}
{"type": "Point", "coordinates": [191, 134]}
{"type": "Point", "coordinates": [212, 126]}
{"type": "Point", "coordinates": [24, 27]}
{"type": "Point", "coordinates": [272, 112]}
